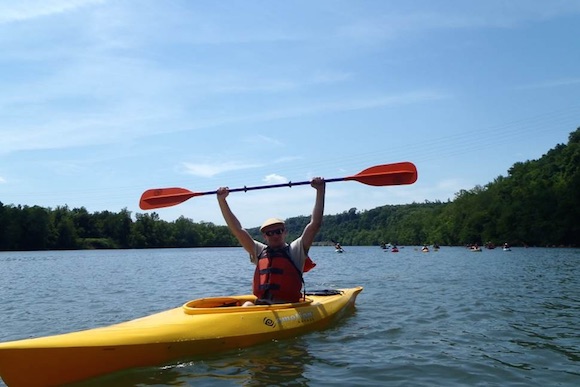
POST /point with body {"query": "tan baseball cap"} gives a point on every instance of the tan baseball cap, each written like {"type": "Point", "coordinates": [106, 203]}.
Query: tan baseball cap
{"type": "Point", "coordinates": [271, 221]}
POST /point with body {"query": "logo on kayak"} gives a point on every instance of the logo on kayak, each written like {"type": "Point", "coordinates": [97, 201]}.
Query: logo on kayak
{"type": "Point", "coordinates": [300, 317]}
{"type": "Point", "coordinates": [269, 322]}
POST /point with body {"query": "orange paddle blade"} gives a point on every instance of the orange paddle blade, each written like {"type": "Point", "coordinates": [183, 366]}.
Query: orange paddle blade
{"type": "Point", "coordinates": [387, 174]}
{"type": "Point", "coordinates": [164, 197]}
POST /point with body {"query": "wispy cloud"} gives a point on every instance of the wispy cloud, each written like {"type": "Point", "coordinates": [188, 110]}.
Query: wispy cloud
{"type": "Point", "coordinates": [550, 84]}
{"type": "Point", "coordinates": [287, 159]}
{"type": "Point", "coordinates": [258, 83]}
{"type": "Point", "coordinates": [131, 120]}
{"type": "Point", "coordinates": [387, 24]}
{"type": "Point", "coordinates": [338, 104]}
{"type": "Point", "coordinates": [209, 170]}
{"type": "Point", "coordinates": [77, 130]}
{"type": "Point", "coordinates": [93, 93]}
{"type": "Point", "coordinates": [2, 180]}
{"type": "Point", "coordinates": [260, 139]}
{"type": "Point", "coordinates": [21, 10]}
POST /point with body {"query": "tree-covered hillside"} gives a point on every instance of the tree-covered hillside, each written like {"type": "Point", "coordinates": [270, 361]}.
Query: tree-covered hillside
{"type": "Point", "coordinates": [536, 204]}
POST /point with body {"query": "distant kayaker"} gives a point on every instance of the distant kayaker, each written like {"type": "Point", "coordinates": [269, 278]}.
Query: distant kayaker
{"type": "Point", "coordinates": [279, 265]}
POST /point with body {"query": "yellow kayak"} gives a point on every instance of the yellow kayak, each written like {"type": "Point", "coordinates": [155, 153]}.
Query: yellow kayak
{"type": "Point", "coordinates": [201, 326]}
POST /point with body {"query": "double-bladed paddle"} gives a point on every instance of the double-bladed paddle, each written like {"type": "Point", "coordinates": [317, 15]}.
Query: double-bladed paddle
{"type": "Point", "coordinates": [379, 175]}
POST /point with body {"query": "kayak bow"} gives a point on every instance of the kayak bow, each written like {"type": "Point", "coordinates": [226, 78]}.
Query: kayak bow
{"type": "Point", "coordinates": [202, 326]}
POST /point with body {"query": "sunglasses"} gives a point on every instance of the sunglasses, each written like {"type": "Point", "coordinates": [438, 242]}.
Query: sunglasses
{"type": "Point", "coordinates": [277, 231]}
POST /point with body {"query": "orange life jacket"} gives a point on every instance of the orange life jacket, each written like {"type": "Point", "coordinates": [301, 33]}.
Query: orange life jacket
{"type": "Point", "coordinates": [276, 276]}
{"type": "Point", "coordinates": [308, 264]}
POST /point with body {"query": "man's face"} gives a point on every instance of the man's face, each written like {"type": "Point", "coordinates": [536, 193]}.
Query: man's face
{"type": "Point", "coordinates": [275, 235]}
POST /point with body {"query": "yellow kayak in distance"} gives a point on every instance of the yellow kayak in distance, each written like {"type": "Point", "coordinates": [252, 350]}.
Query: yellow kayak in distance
{"type": "Point", "coordinates": [201, 326]}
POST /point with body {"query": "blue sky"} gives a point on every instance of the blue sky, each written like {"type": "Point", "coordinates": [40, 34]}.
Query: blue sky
{"type": "Point", "coordinates": [101, 100]}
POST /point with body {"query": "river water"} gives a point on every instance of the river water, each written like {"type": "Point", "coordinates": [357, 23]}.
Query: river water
{"type": "Point", "coordinates": [446, 318]}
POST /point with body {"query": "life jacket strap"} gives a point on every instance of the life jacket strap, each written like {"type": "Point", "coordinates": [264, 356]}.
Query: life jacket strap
{"type": "Point", "coordinates": [269, 287]}
{"type": "Point", "coordinates": [272, 270]}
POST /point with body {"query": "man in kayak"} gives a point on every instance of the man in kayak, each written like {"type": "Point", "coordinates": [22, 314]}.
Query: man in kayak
{"type": "Point", "coordinates": [279, 265]}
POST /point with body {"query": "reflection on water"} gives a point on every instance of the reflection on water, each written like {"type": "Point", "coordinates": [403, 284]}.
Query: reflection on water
{"type": "Point", "coordinates": [278, 363]}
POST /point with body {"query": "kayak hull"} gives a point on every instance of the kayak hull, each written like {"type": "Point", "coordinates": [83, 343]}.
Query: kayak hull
{"type": "Point", "coordinates": [199, 327]}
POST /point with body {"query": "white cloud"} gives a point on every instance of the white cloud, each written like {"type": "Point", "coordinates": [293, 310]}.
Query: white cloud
{"type": "Point", "coordinates": [275, 179]}
{"type": "Point", "coordinates": [2, 180]}
{"type": "Point", "coordinates": [209, 170]}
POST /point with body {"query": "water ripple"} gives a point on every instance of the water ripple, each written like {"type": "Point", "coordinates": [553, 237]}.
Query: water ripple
{"type": "Point", "coordinates": [451, 318]}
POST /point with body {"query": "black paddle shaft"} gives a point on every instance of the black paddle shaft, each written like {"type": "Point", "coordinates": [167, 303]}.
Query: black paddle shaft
{"type": "Point", "coordinates": [289, 184]}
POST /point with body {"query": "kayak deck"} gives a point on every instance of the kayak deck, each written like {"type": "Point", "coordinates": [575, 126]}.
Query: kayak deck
{"type": "Point", "coordinates": [199, 327]}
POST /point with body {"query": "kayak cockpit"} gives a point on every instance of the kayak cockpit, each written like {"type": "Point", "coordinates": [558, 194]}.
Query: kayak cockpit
{"type": "Point", "coordinates": [234, 304]}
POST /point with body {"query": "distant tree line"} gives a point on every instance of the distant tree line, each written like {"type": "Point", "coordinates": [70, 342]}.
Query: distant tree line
{"type": "Point", "coordinates": [537, 204]}
{"type": "Point", "coordinates": [38, 228]}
